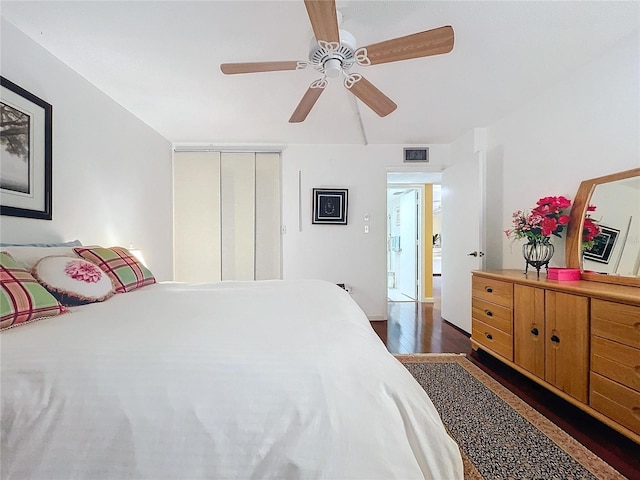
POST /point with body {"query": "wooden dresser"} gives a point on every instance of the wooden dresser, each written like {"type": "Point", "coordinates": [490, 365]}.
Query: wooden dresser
{"type": "Point", "coordinates": [579, 339]}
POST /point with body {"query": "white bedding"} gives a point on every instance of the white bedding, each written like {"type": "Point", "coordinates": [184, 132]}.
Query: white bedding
{"type": "Point", "coordinates": [235, 380]}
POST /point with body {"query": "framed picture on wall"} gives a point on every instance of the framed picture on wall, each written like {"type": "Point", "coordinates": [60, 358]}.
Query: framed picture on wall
{"type": "Point", "coordinates": [25, 153]}
{"type": "Point", "coordinates": [330, 205]}
{"type": "Point", "coordinates": [603, 245]}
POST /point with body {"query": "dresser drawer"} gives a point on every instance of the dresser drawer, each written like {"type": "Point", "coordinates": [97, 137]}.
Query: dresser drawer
{"type": "Point", "coordinates": [616, 401]}
{"type": "Point", "coordinates": [492, 338]}
{"type": "Point", "coordinates": [492, 314]}
{"type": "Point", "coordinates": [616, 321]}
{"type": "Point", "coordinates": [616, 361]}
{"type": "Point", "coordinates": [493, 291]}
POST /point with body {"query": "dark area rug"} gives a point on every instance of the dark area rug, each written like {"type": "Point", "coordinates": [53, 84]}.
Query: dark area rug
{"type": "Point", "coordinates": [499, 435]}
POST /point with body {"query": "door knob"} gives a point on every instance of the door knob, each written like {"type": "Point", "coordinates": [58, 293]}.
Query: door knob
{"type": "Point", "coordinates": [475, 254]}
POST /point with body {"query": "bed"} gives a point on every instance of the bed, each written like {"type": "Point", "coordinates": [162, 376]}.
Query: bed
{"type": "Point", "coordinates": [232, 380]}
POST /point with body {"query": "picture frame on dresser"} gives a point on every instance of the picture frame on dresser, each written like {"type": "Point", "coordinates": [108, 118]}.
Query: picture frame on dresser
{"type": "Point", "coordinates": [26, 153]}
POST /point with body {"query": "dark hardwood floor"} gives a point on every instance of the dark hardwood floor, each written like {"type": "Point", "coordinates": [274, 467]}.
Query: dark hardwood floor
{"type": "Point", "coordinates": [418, 328]}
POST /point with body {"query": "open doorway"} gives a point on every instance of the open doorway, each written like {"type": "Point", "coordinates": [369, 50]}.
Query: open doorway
{"type": "Point", "coordinates": [413, 236]}
{"type": "Point", "coordinates": [403, 242]}
{"type": "Point", "coordinates": [436, 230]}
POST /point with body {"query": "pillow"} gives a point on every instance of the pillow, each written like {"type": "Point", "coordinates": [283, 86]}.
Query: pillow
{"type": "Point", "coordinates": [27, 257]}
{"type": "Point", "coordinates": [73, 281]}
{"type": "Point", "coordinates": [22, 298]}
{"type": "Point", "coordinates": [126, 271]}
{"type": "Point", "coordinates": [72, 243]}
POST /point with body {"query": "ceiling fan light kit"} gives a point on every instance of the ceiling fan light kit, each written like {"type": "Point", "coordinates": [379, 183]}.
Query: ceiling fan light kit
{"type": "Point", "coordinates": [332, 68]}
{"type": "Point", "coordinates": [333, 52]}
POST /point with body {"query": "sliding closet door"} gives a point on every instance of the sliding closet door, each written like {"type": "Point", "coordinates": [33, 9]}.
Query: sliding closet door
{"type": "Point", "coordinates": [267, 249]}
{"type": "Point", "coordinates": [226, 216]}
{"type": "Point", "coordinates": [196, 205]}
{"type": "Point", "coordinates": [238, 199]}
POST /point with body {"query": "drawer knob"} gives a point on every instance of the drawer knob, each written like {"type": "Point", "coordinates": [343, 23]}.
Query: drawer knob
{"type": "Point", "coordinates": [489, 336]}
{"type": "Point", "coordinates": [488, 289]}
{"type": "Point", "coordinates": [535, 331]}
{"type": "Point", "coordinates": [555, 339]}
{"type": "Point", "coordinates": [489, 313]}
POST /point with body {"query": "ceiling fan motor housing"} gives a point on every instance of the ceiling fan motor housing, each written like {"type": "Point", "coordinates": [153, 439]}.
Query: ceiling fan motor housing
{"type": "Point", "coordinates": [332, 59]}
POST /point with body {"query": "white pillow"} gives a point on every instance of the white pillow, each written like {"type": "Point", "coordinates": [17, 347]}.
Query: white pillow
{"type": "Point", "coordinates": [27, 256]}
{"type": "Point", "coordinates": [73, 281]}
{"type": "Point", "coordinates": [72, 243]}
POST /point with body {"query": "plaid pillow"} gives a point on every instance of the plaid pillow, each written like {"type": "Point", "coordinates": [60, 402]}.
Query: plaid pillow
{"type": "Point", "coordinates": [22, 298]}
{"type": "Point", "coordinates": [125, 271]}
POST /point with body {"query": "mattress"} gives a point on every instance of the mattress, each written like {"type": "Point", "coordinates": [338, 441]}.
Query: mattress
{"type": "Point", "coordinates": [232, 380]}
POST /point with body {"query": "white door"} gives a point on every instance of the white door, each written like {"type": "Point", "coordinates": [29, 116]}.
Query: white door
{"type": "Point", "coordinates": [196, 216]}
{"type": "Point", "coordinates": [267, 217]}
{"type": "Point", "coordinates": [237, 211]}
{"type": "Point", "coordinates": [462, 218]}
{"type": "Point", "coordinates": [407, 281]}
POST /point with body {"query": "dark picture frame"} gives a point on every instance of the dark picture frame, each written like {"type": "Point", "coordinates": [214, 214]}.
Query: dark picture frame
{"type": "Point", "coordinates": [603, 245]}
{"type": "Point", "coordinates": [330, 206]}
{"type": "Point", "coordinates": [26, 150]}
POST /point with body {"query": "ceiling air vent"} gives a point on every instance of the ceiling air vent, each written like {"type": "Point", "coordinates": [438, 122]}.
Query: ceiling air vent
{"type": "Point", "coordinates": [413, 155]}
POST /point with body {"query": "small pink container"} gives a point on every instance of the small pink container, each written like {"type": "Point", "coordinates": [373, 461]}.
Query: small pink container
{"type": "Point", "coordinates": [563, 274]}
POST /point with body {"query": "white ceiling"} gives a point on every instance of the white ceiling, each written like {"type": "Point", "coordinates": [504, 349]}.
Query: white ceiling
{"type": "Point", "coordinates": [160, 60]}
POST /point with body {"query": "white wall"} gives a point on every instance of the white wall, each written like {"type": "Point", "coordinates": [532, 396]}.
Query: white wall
{"type": "Point", "coordinates": [343, 254]}
{"type": "Point", "coordinates": [111, 172]}
{"type": "Point", "coordinates": [585, 126]}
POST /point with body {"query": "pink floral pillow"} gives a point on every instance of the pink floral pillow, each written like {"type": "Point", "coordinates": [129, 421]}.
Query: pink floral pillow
{"type": "Point", "coordinates": [73, 281]}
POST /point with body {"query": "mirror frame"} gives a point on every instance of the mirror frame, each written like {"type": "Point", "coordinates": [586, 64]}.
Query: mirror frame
{"type": "Point", "coordinates": [573, 252]}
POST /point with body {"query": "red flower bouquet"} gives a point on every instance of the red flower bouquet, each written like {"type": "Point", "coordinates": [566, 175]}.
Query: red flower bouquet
{"type": "Point", "coordinates": [546, 219]}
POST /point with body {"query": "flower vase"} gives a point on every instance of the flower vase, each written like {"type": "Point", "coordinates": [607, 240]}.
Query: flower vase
{"type": "Point", "coordinates": [537, 253]}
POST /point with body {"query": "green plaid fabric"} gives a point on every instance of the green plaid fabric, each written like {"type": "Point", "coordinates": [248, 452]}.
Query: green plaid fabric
{"type": "Point", "coordinates": [22, 298]}
{"type": "Point", "coordinates": [125, 271]}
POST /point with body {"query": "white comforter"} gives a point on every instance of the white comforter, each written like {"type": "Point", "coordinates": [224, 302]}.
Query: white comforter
{"type": "Point", "coordinates": [236, 380]}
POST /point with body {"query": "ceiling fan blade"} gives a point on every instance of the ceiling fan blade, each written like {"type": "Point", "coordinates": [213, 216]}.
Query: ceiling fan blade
{"type": "Point", "coordinates": [308, 101]}
{"type": "Point", "coordinates": [370, 95]}
{"type": "Point", "coordinates": [324, 20]}
{"type": "Point", "coordinates": [255, 67]}
{"type": "Point", "coordinates": [423, 44]}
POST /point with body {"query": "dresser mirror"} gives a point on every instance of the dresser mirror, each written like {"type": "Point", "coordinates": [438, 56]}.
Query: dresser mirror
{"type": "Point", "coordinates": [615, 256]}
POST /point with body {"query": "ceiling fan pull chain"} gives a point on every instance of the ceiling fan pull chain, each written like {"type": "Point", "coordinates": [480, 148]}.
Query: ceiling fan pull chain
{"type": "Point", "coordinates": [362, 57]}
{"type": "Point", "coordinates": [352, 79]}
{"type": "Point", "coordinates": [302, 65]}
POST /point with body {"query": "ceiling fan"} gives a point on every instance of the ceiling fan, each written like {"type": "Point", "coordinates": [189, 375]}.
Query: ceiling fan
{"type": "Point", "coordinates": [333, 53]}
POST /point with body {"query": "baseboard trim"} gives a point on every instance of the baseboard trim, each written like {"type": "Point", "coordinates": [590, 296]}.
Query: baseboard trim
{"type": "Point", "coordinates": [457, 327]}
